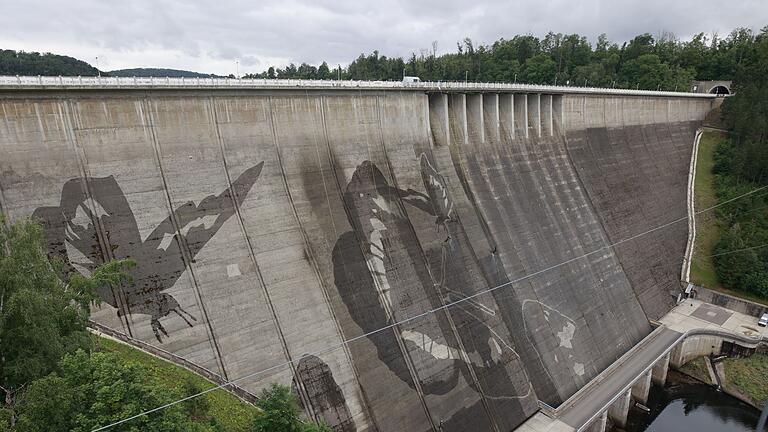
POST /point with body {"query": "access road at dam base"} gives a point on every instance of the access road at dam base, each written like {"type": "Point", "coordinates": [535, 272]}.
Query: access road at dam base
{"type": "Point", "coordinates": [692, 329]}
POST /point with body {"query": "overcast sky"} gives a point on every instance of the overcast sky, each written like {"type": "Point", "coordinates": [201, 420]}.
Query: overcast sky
{"type": "Point", "coordinates": [209, 35]}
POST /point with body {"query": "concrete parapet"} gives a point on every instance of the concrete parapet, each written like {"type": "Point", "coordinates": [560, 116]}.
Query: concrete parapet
{"type": "Point", "coordinates": [491, 117]}
{"type": "Point", "coordinates": [599, 425]}
{"type": "Point", "coordinates": [521, 114]}
{"type": "Point", "coordinates": [457, 109]}
{"type": "Point", "coordinates": [660, 369]}
{"type": "Point", "coordinates": [558, 110]}
{"type": "Point", "coordinates": [546, 115]}
{"type": "Point", "coordinates": [507, 114]}
{"type": "Point", "coordinates": [438, 119]}
{"type": "Point", "coordinates": [534, 113]}
{"type": "Point", "coordinates": [730, 302]}
{"type": "Point", "coordinates": [695, 346]}
{"type": "Point", "coordinates": [475, 122]}
{"type": "Point", "coordinates": [641, 388]}
{"type": "Point", "coordinates": [620, 409]}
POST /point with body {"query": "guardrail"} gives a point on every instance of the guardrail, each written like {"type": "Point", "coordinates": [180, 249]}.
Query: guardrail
{"type": "Point", "coordinates": [683, 336]}
{"type": "Point", "coordinates": [111, 83]}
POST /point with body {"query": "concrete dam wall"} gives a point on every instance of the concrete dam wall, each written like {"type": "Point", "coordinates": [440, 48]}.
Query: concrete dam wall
{"type": "Point", "coordinates": [270, 226]}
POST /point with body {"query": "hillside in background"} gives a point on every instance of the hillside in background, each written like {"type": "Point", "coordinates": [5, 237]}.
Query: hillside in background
{"type": "Point", "coordinates": [33, 63]}
{"type": "Point", "coordinates": [158, 72]}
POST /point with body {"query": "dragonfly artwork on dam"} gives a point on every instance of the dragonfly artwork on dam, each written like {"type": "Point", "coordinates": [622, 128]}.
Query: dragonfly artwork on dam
{"type": "Point", "coordinates": [82, 226]}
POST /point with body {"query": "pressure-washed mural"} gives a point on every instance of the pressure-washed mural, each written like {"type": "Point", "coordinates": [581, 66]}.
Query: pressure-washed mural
{"type": "Point", "coordinates": [98, 207]}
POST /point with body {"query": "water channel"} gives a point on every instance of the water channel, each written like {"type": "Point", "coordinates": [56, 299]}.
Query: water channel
{"type": "Point", "coordinates": [693, 407]}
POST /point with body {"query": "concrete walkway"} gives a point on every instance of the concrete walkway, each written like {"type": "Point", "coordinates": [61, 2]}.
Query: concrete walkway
{"type": "Point", "coordinates": [596, 396]}
{"type": "Point", "coordinates": [620, 377]}
{"type": "Point", "coordinates": [695, 314]}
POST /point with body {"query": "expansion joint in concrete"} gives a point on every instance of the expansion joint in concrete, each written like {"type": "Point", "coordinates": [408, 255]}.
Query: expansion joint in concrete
{"type": "Point", "coordinates": [69, 127]}
{"type": "Point", "coordinates": [183, 246]}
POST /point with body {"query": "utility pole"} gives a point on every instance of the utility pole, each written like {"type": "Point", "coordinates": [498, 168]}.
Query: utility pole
{"type": "Point", "coordinates": [97, 66]}
{"type": "Point", "coordinates": [237, 68]}
{"type": "Point", "coordinates": [339, 72]}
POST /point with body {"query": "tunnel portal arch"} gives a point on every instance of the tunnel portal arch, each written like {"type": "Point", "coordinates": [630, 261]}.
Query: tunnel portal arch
{"type": "Point", "coordinates": [720, 90]}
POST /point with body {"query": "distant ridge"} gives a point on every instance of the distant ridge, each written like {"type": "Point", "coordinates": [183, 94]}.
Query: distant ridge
{"type": "Point", "coordinates": [158, 72]}
{"type": "Point", "coordinates": [34, 63]}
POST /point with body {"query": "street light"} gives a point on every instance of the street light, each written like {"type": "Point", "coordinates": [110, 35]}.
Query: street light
{"type": "Point", "coordinates": [237, 68]}
{"type": "Point", "coordinates": [97, 66]}
{"type": "Point", "coordinates": [466, 76]}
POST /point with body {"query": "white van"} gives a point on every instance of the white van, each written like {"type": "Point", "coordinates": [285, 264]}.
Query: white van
{"type": "Point", "coordinates": [763, 322]}
{"type": "Point", "coordinates": [411, 79]}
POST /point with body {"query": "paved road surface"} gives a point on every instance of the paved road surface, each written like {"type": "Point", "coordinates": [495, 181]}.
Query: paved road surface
{"type": "Point", "coordinates": [597, 396]}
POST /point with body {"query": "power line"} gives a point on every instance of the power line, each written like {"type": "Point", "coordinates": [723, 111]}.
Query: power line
{"type": "Point", "coordinates": [734, 251]}
{"type": "Point", "coordinates": [423, 314]}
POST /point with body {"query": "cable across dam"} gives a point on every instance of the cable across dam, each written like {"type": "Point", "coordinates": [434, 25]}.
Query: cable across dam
{"type": "Point", "coordinates": [269, 222]}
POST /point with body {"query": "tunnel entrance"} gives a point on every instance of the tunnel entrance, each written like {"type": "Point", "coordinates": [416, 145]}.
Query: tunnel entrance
{"type": "Point", "coordinates": [720, 90]}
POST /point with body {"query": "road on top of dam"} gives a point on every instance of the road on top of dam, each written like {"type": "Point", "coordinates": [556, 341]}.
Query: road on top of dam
{"type": "Point", "coordinates": [597, 397]}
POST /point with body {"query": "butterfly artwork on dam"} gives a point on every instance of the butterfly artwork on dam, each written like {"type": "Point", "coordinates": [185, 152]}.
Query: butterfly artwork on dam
{"type": "Point", "coordinates": [94, 216]}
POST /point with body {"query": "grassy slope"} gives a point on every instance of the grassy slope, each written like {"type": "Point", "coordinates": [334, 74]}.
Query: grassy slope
{"type": "Point", "coordinates": [749, 375]}
{"type": "Point", "coordinates": [707, 230]}
{"type": "Point", "coordinates": [697, 369]}
{"type": "Point", "coordinates": [230, 412]}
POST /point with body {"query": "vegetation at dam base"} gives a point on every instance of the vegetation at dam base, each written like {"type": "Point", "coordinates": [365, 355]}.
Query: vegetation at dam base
{"type": "Point", "coordinates": [745, 378]}
{"type": "Point", "coordinates": [732, 248]}
{"type": "Point", "coordinates": [57, 376]}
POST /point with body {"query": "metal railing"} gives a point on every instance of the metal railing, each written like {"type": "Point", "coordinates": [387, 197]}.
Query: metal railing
{"type": "Point", "coordinates": [79, 82]}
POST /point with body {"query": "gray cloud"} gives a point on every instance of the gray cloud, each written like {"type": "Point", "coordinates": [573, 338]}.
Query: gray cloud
{"type": "Point", "coordinates": [208, 36]}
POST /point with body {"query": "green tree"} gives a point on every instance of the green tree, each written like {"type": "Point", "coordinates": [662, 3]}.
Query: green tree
{"type": "Point", "coordinates": [41, 318]}
{"type": "Point", "coordinates": [540, 69]}
{"type": "Point", "coordinates": [90, 391]}
{"type": "Point", "coordinates": [281, 413]}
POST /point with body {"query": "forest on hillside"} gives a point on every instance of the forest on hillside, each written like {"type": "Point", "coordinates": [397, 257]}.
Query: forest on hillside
{"type": "Point", "coordinates": [158, 72]}
{"type": "Point", "coordinates": [33, 63]}
{"type": "Point", "coordinates": [645, 62]}
{"type": "Point", "coordinates": [741, 167]}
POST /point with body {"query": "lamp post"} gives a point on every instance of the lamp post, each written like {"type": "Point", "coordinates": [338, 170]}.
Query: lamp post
{"type": "Point", "coordinates": [97, 66]}
{"type": "Point", "coordinates": [237, 68]}
{"type": "Point", "coordinates": [466, 76]}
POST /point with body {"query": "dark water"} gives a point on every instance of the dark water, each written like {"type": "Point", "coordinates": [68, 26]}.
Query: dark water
{"type": "Point", "coordinates": [693, 408]}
